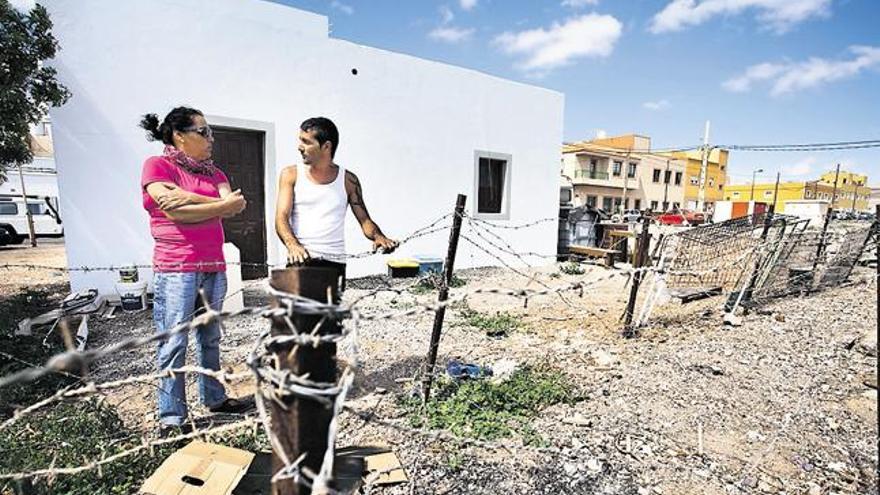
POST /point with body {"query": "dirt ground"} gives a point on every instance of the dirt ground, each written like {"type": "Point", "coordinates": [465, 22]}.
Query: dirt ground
{"type": "Point", "coordinates": [785, 403]}
{"type": "Point", "coordinates": [49, 252]}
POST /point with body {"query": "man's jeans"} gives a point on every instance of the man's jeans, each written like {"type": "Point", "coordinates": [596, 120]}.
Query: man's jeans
{"type": "Point", "coordinates": [175, 300]}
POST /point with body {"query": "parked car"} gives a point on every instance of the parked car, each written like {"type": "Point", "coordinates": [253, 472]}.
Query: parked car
{"type": "Point", "coordinates": [44, 212]}
{"type": "Point", "coordinates": [628, 216]}
{"type": "Point", "coordinates": [681, 217]}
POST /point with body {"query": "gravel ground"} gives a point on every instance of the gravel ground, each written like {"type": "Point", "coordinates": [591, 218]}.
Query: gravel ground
{"type": "Point", "coordinates": [785, 403]}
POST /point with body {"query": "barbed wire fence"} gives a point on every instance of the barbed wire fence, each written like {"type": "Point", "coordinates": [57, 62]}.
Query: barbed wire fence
{"type": "Point", "coordinates": [686, 259]}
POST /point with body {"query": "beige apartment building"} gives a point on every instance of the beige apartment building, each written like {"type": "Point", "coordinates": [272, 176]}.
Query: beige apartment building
{"type": "Point", "coordinates": [621, 173]}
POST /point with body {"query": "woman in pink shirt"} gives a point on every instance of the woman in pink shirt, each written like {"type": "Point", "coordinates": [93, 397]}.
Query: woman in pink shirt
{"type": "Point", "coordinates": [186, 196]}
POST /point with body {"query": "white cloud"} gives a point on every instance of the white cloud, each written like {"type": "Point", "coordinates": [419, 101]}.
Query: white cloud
{"type": "Point", "coordinates": [656, 105]}
{"type": "Point", "coordinates": [449, 34]}
{"type": "Point", "coordinates": [577, 4]}
{"type": "Point", "coordinates": [446, 15]}
{"type": "Point", "coordinates": [467, 4]}
{"type": "Point", "coordinates": [342, 7]}
{"type": "Point", "coordinates": [590, 35]}
{"type": "Point", "coordinates": [800, 168]}
{"type": "Point", "coordinates": [788, 77]}
{"type": "Point", "coordinates": [776, 15]}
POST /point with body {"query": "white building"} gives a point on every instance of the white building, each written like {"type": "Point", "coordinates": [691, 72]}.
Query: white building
{"type": "Point", "coordinates": [413, 130]}
{"type": "Point", "coordinates": [40, 175]}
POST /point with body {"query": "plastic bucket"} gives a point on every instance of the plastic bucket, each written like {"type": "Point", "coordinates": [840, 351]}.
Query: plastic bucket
{"type": "Point", "coordinates": [429, 264]}
{"type": "Point", "coordinates": [132, 295]}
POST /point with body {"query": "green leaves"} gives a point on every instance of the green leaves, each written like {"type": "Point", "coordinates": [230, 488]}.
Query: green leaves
{"type": "Point", "coordinates": [27, 87]}
{"type": "Point", "coordinates": [485, 410]}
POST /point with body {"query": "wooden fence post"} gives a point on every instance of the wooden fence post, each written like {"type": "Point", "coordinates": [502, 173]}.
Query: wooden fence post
{"type": "Point", "coordinates": [641, 260]}
{"type": "Point", "coordinates": [428, 372]}
{"type": "Point", "coordinates": [303, 425]}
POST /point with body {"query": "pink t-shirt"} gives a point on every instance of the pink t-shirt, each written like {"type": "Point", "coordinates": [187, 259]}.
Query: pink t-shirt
{"type": "Point", "coordinates": [181, 246]}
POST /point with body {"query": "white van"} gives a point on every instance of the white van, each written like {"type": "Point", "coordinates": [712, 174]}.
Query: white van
{"type": "Point", "coordinates": [47, 221]}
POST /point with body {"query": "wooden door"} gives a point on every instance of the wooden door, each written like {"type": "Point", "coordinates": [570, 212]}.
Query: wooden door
{"type": "Point", "coordinates": [240, 154]}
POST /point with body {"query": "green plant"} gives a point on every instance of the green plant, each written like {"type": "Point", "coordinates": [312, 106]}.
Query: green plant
{"type": "Point", "coordinates": [497, 325]}
{"type": "Point", "coordinates": [28, 86]}
{"type": "Point", "coordinates": [76, 433]}
{"type": "Point", "coordinates": [431, 281]}
{"type": "Point", "coordinates": [485, 410]}
{"type": "Point", "coordinates": [571, 268]}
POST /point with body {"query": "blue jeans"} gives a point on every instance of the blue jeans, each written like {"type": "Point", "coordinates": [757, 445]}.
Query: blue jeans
{"type": "Point", "coordinates": [175, 300]}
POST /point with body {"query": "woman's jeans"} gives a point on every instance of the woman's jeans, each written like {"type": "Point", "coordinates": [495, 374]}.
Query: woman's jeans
{"type": "Point", "coordinates": [176, 300]}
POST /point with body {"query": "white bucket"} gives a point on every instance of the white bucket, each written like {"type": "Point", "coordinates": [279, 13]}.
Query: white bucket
{"type": "Point", "coordinates": [132, 295]}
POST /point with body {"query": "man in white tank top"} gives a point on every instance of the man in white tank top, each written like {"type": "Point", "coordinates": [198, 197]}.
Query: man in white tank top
{"type": "Point", "coordinates": [313, 199]}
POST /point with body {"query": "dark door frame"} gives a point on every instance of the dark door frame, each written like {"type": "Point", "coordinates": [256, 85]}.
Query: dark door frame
{"type": "Point", "coordinates": [270, 185]}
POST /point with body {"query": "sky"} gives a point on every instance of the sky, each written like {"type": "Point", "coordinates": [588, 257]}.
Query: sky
{"type": "Point", "coordinates": [762, 71]}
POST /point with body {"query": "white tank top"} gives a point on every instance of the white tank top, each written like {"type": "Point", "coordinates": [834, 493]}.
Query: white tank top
{"type": "Point", "coordinates": [318, 215]}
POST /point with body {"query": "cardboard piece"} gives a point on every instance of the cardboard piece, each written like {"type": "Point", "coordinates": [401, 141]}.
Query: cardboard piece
{"type": "Point", "coordinates": [384, 469]}
{"type": "Point", "coordinates": [199, 469]}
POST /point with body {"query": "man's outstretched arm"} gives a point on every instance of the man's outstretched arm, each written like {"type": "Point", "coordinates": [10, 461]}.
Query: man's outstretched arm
{"type": "Point", "coordinates": [368, 226]}
{"type": "Point", "coordinates": [296, 253]}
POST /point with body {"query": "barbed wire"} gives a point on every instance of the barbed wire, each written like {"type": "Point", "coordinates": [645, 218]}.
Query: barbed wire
{"type": "Point", "coordinates": [431, 228]}
{"type": "Point", "coordinates": [278, 386]}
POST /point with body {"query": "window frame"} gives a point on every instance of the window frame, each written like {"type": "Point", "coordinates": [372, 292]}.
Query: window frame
{"type": "Point", "coordinates": [504, 214]}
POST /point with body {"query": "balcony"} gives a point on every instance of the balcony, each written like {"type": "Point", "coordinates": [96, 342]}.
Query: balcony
{"type": "Point", "coordinates": [586, 177]}
{"type": "Point", "coordinates": [590, 174]}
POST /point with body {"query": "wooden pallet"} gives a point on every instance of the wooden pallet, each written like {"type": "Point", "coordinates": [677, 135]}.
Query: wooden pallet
{"type": "Point", "coordinates": [594, 252]}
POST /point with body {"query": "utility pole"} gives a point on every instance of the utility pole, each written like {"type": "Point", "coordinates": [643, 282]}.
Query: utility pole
{"type": "Point", "coordinates": [754, 173]}
{"type": "Point", "coordinates": [625, 171]}
{"type": "Point", "coordinates": [704, 170]}
{"type": "Point", "coordinates": [30, 219]}
{"type": "Point", "coordinates": [827, 219]}
{"type": "Point", "coordinates": [666, 179]}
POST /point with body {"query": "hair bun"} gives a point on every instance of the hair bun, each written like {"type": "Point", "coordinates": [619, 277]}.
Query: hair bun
{"type": "Point", "coordinates": [150, 123]}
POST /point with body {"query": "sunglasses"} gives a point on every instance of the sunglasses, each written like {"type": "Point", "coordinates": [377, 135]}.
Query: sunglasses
{"type": "Point", "coordinates": [204, 131]}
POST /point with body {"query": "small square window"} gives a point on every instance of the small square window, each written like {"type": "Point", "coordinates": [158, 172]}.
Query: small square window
{"type": "Point", "coordinates": [615, 168]}
{"type": "Point", "coordinates": [631, 170]}
{"type": "Point", "coordinates": [492, 184]}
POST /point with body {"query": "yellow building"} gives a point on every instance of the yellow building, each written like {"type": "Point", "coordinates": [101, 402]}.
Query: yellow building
{"type": "Point", "coordinates": [716, 176]}
{"type": "Point", "coordinates": [852, 193]}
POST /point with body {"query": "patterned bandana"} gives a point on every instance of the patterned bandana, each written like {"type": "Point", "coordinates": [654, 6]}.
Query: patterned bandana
{"type": "Point", "coordinates": [188, 163]}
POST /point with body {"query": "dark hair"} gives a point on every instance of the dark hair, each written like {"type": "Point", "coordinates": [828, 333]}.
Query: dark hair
{"type": "Point", "coordinates": [177, 119]}
{"type": "Point", "coordinates": [324, 130]}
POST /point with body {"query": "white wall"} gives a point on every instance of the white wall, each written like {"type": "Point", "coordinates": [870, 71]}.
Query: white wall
{"type": "Point", "coordinates": [409, 127]}
{"type": "Point", "coordinates": [812, 210]}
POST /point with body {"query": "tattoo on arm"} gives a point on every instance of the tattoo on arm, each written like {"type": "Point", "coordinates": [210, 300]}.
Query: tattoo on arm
{"type": "Point", "coordinates": [355, 196]}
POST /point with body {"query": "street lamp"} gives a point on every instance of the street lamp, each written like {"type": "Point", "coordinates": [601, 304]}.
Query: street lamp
{"type": "Point", "coordinates": [752, 195]}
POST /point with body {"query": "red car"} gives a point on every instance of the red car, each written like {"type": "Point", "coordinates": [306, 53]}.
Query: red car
{"type": "Point", "coordinates": [681, 217]}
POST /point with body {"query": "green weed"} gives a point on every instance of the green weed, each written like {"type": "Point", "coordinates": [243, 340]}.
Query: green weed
{"type": "Point", "coordinates": [481, 409]}
{"type": "Point", "coordinates": [571, 268]}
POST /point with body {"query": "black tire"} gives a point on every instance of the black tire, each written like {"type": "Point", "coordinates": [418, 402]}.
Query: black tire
{"type": "Point", "coordinates": [18, 239]}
